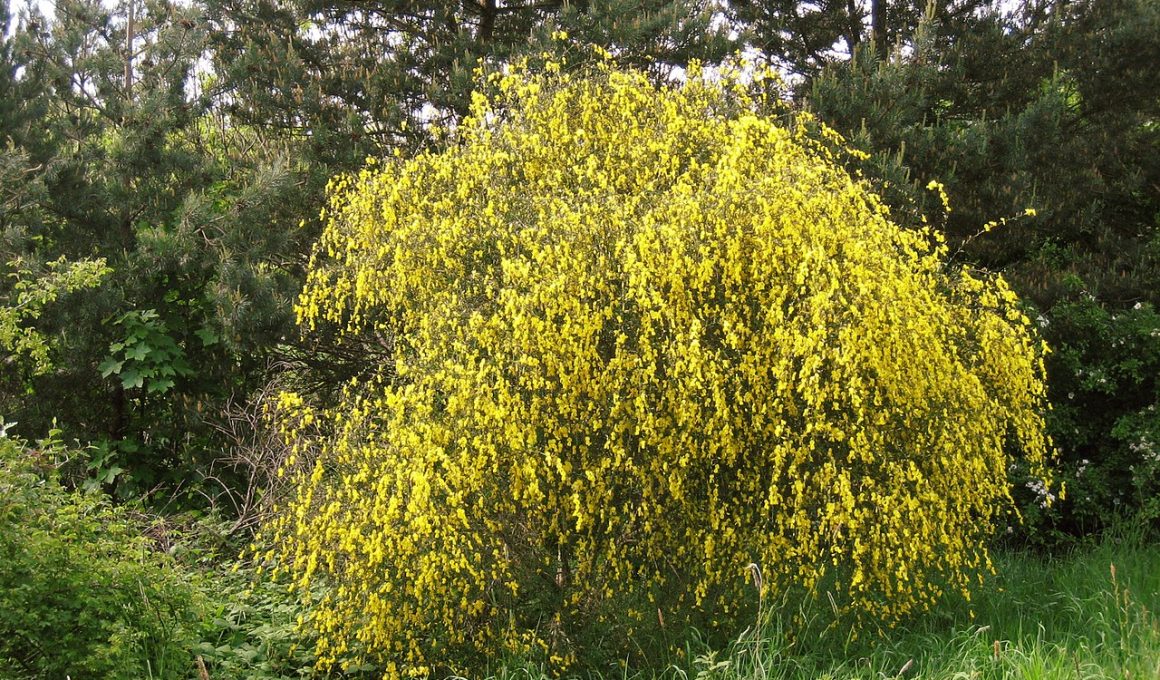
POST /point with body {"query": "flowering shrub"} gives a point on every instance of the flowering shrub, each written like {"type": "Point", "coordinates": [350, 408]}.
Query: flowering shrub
{"type": "Point", "coordinates": [1105, 392]}
{"type": "Point", "coordinates": [643, 338]}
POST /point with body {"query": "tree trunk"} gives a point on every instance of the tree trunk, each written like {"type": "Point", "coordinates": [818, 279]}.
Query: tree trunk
{"type": "Point", "coordinates": [878, 28]}
{"type": "Point", "coordinates": [854, 26]}
{"type": "Point", "coordinates": [487, 12]}
{"type": "Point", "coordinates": [129, 37]}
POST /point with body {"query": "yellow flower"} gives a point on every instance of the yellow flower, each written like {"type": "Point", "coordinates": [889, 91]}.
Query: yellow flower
{"type": "Point", "coordinates": [641, 337]}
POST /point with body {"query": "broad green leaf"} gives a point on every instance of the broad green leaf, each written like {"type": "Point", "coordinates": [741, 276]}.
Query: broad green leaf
{"type": "Point", "coordinates": [138, 352]}
{"type": "Point", "coordinates": [131, 378]}
{"type": "Point", "coordinates": [159, 386]}
{"type": "Point", "coordinates": [110, 366]}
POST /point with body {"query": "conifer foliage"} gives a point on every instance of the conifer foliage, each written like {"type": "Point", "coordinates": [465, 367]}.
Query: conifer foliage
{"type": "Point", "coordinates": [643, 338]}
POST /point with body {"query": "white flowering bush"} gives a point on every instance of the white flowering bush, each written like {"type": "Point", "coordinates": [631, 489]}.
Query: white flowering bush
{"type": "Point", "coordinates": [1105, 396]}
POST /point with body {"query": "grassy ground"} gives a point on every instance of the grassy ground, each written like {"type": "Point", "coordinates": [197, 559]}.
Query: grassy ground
{"type": "Point", "coordinates": [1095, 614]}
{"type": "Point", "coordinates": [1039, 618]}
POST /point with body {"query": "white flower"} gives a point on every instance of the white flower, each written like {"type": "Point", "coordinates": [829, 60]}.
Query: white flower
{"type": "Point", "coordinates": [1039, 488]}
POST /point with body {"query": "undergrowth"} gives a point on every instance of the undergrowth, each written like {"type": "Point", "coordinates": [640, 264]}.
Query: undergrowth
{"type": "Point", "coordinates": [1092, 614]}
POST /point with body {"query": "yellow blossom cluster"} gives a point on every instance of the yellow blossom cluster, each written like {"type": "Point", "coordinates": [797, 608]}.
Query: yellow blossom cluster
{"type": "Point", "coordinates": [644, 337]}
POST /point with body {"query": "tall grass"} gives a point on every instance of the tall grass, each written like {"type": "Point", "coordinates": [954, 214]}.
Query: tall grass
{"type": "Point", "coordinates": [1093, 614]}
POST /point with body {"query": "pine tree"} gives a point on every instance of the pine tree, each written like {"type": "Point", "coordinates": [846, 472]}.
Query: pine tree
{"type": "Point", "coordinates": [804, 38]}
{"type": "Point", "coordinates": [124, 160]}
{"type": "Point", "coordinates": [367, 78]}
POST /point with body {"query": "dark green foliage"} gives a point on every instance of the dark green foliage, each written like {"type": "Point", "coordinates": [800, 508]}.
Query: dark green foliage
{"type": "Point", "coordinates": [147, 358]}
{"type": "Point", "coordinates": [82, 594]}
{"type": "Point", "coordinates": [804, 38]}
{"type": "Point", "coordinates": [1106, 392]}
{"type": "Point", "coordinates": [358, 78]}
{"type": "Point", "coordinates": [122, 158]}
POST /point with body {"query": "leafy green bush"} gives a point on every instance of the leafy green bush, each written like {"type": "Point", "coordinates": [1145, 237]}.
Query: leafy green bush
{"type": "Point", "coordinates": [30, 293]}
{"type": "Point", "coordinates": [1104, 384]}
{"type": "Point", "coordinates": [82, 594]}
{"type": "Point", "coordinates": [252, 631]}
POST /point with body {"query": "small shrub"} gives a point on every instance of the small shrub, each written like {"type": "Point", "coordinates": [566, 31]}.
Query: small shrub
{"type": "Point", "coordinates": [1105, 418]}
{"type": "Point", "coordinates": [253, 630]}
{"type": "Point", "coordinates": [81, 594]}
{"type": "Point", "coordinates": [643, 338]}
{"type": "Point", "coordinates": [23, 298]}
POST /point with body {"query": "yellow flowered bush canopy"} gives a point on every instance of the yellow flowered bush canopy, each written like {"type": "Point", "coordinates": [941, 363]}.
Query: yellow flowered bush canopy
{"type": "Point", "coordinates": [644, 337]}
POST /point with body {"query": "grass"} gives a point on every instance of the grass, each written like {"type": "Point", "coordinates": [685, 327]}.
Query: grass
{"type": "Point", "coordinates": [1093, 614]}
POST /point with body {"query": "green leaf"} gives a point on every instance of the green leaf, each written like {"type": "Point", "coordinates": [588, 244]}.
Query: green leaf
{"type": "Point", "coordinates": [131, 378]}
{"type": "Point", "coordinates": [159, 386]}
{"type": "Point", "coordinates": [182, 367]}
{"type": "Point", "coordinates": [207, 336]}
{"type": "Point", "coordinates": [110, 366]}
{"type": "Point", "coordinates": [138, 352]}
{"type": "Point", "coordinates": [108, 475]}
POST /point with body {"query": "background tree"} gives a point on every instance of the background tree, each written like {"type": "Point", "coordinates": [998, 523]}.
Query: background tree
{"type": "Point", "coordinates": [124, 161]}
{"type": "Point", "coordinates": [367, 78]}
{"type": "Point", "coordinates": [803, 38]}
